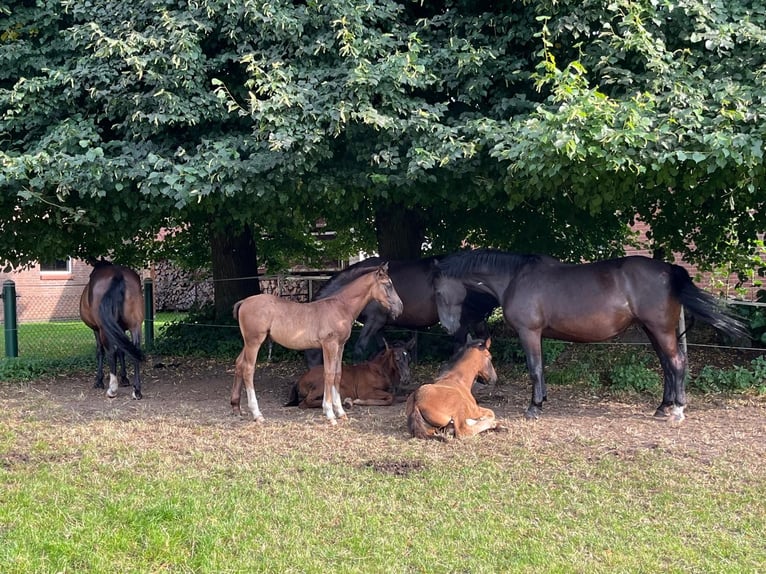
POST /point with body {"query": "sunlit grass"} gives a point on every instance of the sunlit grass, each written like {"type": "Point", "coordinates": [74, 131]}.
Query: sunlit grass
{"type": "Point", "coordinates": [89, 504]}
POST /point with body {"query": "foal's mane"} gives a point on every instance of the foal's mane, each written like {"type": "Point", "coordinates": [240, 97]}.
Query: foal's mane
{"type": "Point", "coordinates": [472, 344]}
{"type": "Point", "coordinates": [484, 261]}
{"type": "Point", "coordinates": [343, 278]}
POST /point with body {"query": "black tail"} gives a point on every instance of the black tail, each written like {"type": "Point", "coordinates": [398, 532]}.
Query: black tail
{"type": "Point", "coordinates": [110, 312]}
{"type": "Point", "coordinates": [704, 306]}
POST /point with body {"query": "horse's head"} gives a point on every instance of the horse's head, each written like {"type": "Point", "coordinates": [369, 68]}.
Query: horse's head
{"type": "Point", "coordinates": [401, 359]}
{"type": "Point", "coordinates": [384, 293]}
{"type": "Point", "coordinates": [450, 294]}
{"type": "Point", "coordinates": [485, 368]}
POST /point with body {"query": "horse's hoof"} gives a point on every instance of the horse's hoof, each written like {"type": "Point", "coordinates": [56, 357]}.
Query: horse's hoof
{"type": "Point", "coordinates": [110, 395]}
{"type": "Point", "coordinates": [662, 412]}
{"type": "Point", "coordinates": [533, 413]}
{"type": "Point", "coordinates": [137, 395]}
{"type": "Point", "coordinates": [259, 420]}
{"type": "Point", "coordinates": [98, 385]}
{"type": "Point", "coordinates": [348, 403]}
{"type": "Point", "coordinates": [500, 428]}
{"type": "Point", "coordinates": [333, 422]}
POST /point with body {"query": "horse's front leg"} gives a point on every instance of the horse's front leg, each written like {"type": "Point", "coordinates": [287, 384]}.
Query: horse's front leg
{"type": "Point", "coordinates": [135, 334]}
{"type": "Point", "coordinates": [373, 323]}
{"type": "Point", "coordinates": [124, 381]}
{"type": "Point", "coordinates": [531, 342]}
{"type": "Point", "coordinates": [332, 403]}
{"type": "Point", "coordinates": [136, 379]}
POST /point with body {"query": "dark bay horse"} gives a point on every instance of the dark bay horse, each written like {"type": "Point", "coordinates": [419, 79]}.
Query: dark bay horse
{"type": "Point", "coordinates": [325, 323]}
{"type": "Point", "coordinates": [447, 403]}
{"type": "Point", "coordinates": [587, 303]}
{"type": "Point", "coordinates": [112, 303]}
{"type": "Point", "coordinates": [372, 383]}
{"type": "Point", "coordinates": [414, 281]}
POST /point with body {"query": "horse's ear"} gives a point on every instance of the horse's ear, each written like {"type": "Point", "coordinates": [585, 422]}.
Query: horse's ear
{"type": "Point", "coordinates": [469, 339]}
{"type": "Point", "coordinates": [411, 343]}
{"type": "Point", "coordinates": [384, 267]}
{"type": "Point", "coordinates": [385, 343]}
{"type": "Point", "coordinates": [488, 342]}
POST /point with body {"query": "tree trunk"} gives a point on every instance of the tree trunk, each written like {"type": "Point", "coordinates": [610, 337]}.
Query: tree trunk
{"type": "Point", "coordinates": [235, 269]}
{"type": "Point", "coordinates": [399, 232]}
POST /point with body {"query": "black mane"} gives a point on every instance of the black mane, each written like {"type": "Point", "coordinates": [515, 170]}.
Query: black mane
{"type": "Point", "coordinates": [484, 261]}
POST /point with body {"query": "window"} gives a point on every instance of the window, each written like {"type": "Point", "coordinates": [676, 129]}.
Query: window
{"type": "Point", "coordinates": [56, 267]}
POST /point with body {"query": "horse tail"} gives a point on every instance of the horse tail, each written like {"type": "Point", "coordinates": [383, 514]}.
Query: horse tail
{"type": "Point", "coordinates": [415, 422]}
{"type": "Point", "coordinates": [705, 306]}
{"type": "Point", "coordinates": [295, 398]}
{"type": "Point", "coordinates": [237, 305]}
{"type": "Point", "coordinates": [111, 313]}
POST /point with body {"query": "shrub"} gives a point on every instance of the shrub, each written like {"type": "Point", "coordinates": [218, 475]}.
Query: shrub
{"type": "Point", "coordinates": [716, 380]}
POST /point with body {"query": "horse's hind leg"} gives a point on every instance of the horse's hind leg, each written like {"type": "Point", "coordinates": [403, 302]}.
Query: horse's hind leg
{"type": "Point", "coordinates": [674, 367]}
{"type": "Point", "coordinates": [111, 392]}
{"type": "Point", "coordinates": [244, 372]}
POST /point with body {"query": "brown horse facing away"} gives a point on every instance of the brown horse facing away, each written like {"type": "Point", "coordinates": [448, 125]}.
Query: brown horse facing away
{"type": "Point", "coordinates": [299, 326]}
{"type": "Point", "coordinates": [372, 383]}
{"type": "Point", "coordinates": [111, 304]}
{"type": "Point", "coordinates": [447, 403]}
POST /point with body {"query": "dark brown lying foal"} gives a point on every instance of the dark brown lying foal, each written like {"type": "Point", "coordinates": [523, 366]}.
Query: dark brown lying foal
{"type": "Point", "coordinates": [372, 383]}
{"type": "Point", "coordinates": [447, 403]}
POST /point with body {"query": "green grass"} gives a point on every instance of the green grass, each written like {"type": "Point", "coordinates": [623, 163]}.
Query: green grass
{"type": "Point", "coordinates": [45, 347]}
{"type": "Point", "coordinates": [92, 507]}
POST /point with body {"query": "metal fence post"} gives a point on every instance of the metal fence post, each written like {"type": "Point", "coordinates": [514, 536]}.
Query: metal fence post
{"type": "Point", "coordinates": [11, 327]}
{"type": "Point", "coordinates": [148, 313]}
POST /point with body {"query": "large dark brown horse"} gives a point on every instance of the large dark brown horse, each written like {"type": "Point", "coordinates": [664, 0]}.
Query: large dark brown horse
{"type": "Point", "coordinates": [447, 404]}
{"type": "Point", "coordinates": [325, 323]}
{"type": "Point", "coordinates": [414, 281]}
{"type": "Point", "coordinates": [111, 304]}
{"type": "Point", "coordinates": [586, 303]}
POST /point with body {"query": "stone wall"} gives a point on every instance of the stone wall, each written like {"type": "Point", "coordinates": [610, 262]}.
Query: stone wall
{"type": "Point", "coordinates": [180, 290]}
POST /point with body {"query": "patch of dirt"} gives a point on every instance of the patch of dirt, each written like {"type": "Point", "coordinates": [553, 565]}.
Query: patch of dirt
{"type": "Point", "coordinates": [186, 408]}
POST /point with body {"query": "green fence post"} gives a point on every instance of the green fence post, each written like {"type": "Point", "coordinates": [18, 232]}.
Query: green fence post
{"type": "Point", "coordinates": [148, 313]}
{"type": "Point", "coordinates": [11, 328]}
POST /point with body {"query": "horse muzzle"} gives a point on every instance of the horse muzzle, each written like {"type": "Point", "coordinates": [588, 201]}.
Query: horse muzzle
{"type": "Point", "coordinates": [396, 308]}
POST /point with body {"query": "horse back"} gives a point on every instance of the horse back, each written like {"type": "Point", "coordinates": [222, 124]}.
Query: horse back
{"type": "Point", "coordinates": [591, 301]}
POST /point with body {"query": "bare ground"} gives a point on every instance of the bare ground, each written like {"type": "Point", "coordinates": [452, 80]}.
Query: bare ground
{"type": "Point", "coordinates": [186, 408]}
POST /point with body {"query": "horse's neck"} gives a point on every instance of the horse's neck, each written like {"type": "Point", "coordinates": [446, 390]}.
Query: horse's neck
{"type": "Point", "coordinates": [357, 294]}
{"type": "Point", "coordinates": [462, 374]}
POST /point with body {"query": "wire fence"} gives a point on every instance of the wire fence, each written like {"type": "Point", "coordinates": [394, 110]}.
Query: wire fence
{"type": "Point", "coordinates": [49, 326]}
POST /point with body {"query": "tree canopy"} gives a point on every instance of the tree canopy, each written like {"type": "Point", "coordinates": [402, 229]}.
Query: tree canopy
{"type": "Point", "coordinates": [546, 126]}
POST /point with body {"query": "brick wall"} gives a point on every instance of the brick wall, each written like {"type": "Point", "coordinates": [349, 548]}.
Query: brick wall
{"type": "Point", "coordinates": [44, 296]}
{"type": "Point", "coordinates": [717, 283]}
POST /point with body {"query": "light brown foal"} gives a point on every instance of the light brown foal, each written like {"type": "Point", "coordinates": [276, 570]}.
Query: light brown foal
{"type": "Point", "coordinates": [447, 403]}
{"type": "Point", "coordinates": [324, 324]}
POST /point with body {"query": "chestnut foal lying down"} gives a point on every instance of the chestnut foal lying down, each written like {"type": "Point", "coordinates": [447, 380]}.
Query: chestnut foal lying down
{"type": "Point", "coordinates": [447, 403]}
{"type": "Point", "coordinates": [371, 383]}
